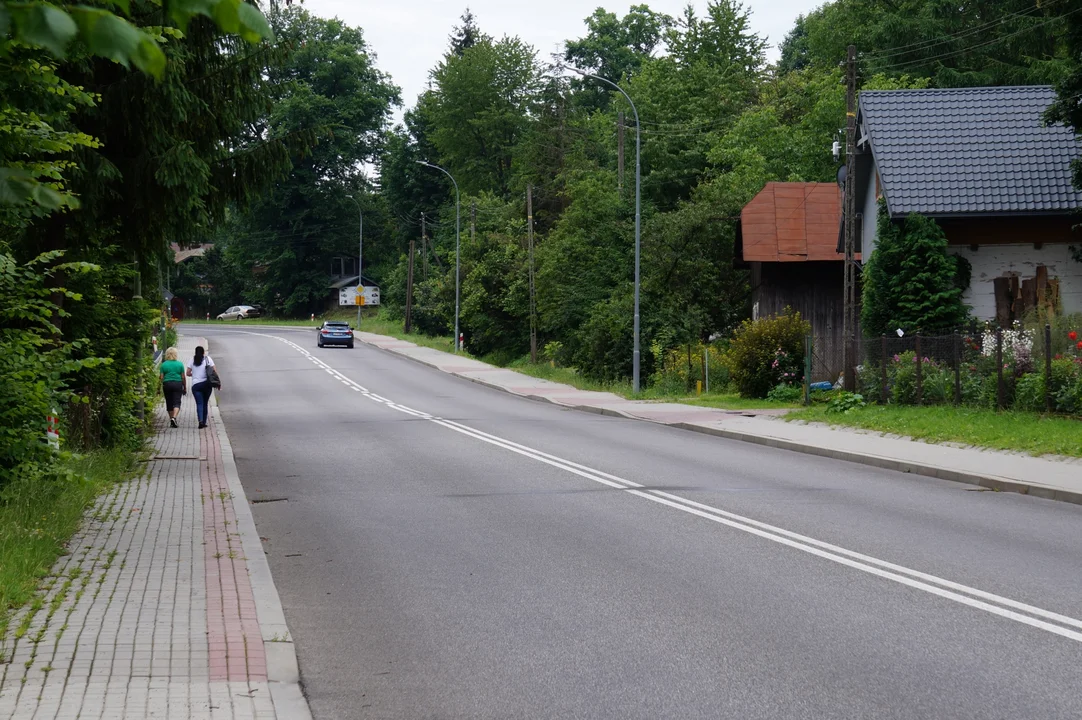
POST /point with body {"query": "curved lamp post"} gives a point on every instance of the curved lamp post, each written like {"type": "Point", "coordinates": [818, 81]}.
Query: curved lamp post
{"type": "Point", "coordinates": [638, 217]}
{"type": "Point", "coordinates": [360, 253]}
{"type": "Point", "coordinates": [457, 243]}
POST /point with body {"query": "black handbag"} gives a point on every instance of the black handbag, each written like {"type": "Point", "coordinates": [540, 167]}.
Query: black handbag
{"type": "Point", "coordinates": [212, 375]}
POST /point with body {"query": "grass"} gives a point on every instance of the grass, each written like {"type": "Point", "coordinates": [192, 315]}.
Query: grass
{"type": "Point", "coordinates": [39, 515]}
{"type": "Point", "coordinates": [1018, 431]}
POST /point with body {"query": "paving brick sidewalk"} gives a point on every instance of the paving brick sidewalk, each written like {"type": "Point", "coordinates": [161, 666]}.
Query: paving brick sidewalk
{"type": "Point", "coordinates": [1055, 478]}
{"type": "Point", "coordinates": [163, 607]}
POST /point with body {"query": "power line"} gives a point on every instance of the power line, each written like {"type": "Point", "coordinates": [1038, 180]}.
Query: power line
{"type": "Point", "coordinates": [924, 44]}
{"type": "Point", "coordinates": [978, 46]}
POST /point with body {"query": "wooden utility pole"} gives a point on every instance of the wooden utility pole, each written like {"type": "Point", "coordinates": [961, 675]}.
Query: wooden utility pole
{"type": "Point", "coordinates": [424, 248]}
{"type": "Point", "coordinates": [473, 220]}
{"type": "Point", "coordinates": [849, 213]}
{"type": "Point", "coordinates": [620, 150]}
{"type": "Point", "coordinates": [409, 292]}
{"type": "Point", "coordinates": [533, 297]}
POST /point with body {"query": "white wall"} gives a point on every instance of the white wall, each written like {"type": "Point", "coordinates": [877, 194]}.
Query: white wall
{"type": "Point", "coordinates": [992, 261]}
{"type": "Point", "coordinates": [871, 215]}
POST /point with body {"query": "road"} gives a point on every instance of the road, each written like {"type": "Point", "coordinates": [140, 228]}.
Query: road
{"type": "Point", "coordinates": [444, 550]}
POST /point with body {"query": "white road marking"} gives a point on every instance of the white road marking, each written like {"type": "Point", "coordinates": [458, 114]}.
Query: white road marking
{"type": "Point", "coordinates": [941, 587]}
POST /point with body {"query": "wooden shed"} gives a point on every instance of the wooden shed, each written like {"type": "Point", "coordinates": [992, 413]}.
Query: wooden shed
{"type": "Point", "coordinates": [788, 237]}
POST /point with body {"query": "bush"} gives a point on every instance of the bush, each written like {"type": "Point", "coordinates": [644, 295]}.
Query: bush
{"type": "Point", "coordinates": [754, 357]}
{"type": "Point", "coordinates": [786, 393]}
{"type": "Point", "coordinates": [1029, 392]}
{"type": "Point", "coordinates": [845, 402]}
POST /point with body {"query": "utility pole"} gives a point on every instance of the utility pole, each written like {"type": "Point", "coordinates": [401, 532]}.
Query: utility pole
{"type": "Point", "coordinates": [360, 256]}
{"type": "Point", "coordinates": [620, 151]}
{"type": "Point", "coordinates": [409, 292]}
{"type": "Point", "coordinates": [849, 213]}
{"type": "Point", "coordinates": [533, 296]}
{"type": "Point", "coordinates": [424, 248]}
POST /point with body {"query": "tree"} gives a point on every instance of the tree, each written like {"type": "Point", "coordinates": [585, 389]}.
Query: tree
{"type": "Point", "coordinates": [101, 33]}
{"type": "Point", "coordinates": [478, 111]}
{"type": "Point", "coordinates": [1068, 106]}
{"type": "Point", "coordinates": [466, 35]}
{"type": "Point", "coordinates": [909, 281]}
{"type": "Point", "coordinates": [329, 86]}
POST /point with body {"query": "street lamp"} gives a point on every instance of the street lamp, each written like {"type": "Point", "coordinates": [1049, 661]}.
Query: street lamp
{"type": "Point", "coordinates": [360, 253]}
{"type": "Point", "coordinates": [457, 243]}
{"type": "Point", "coordinates": [638, 219]}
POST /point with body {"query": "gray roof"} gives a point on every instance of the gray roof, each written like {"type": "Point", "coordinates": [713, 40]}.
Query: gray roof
{"type": "Point", "coordinates": [970, 151]}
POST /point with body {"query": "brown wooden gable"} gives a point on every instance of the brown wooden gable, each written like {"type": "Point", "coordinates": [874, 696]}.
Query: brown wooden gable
{"type": "Point", "coordinates": [792, 222]}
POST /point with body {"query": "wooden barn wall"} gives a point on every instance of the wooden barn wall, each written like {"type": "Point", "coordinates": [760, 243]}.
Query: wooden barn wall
{"type": "Point", "coordinates": [814, 289]}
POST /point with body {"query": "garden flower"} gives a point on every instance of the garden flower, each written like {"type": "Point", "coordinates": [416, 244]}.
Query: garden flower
{"type": "Point", "coordinates": [1073, 335]}
{"type": "Point", "coordinates": [1079, 345]}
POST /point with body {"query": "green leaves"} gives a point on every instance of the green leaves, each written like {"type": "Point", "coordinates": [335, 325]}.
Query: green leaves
{"type": "Point", "coordinates": [41, 24]}
{"type": "Point", "coordinates": [109, 36]}
{"type": "Point", "coordinates": [54, 27]}
{"type": "Point", "coordinates": [18, 187]}
{"type": "Point", "coordinates": [232, 16]}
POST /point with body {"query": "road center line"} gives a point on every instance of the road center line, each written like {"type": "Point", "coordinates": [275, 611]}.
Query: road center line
{"type": "Point", "coordinates": [941, 587]}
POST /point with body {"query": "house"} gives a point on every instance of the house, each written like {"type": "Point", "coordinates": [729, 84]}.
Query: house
{"type": "Point", "coordinates": [983, 164]}
{"type": "Point", "coordinates": [788, 236]}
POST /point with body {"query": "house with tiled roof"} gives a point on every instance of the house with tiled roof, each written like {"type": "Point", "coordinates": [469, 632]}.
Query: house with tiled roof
{"type": "Point", "coordinates": [997, 179]}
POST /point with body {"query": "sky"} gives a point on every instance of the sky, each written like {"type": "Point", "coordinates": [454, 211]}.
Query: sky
{"type": "Point", "coordinates": [409, 37]}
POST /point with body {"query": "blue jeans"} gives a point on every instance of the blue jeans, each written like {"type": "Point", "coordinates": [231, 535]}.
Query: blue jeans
{"type": "Point", "coordinates": [201, 393]}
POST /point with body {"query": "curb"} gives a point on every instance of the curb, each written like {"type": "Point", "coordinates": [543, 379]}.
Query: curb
{"type": "Point", "coordinates": [990, 482]}
{"type": "Point", "coordinates": [283, 671]}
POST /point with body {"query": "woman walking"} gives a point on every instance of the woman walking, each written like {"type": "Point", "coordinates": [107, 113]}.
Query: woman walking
{"type": "Point", "coordinates": [201, 371]}
{"type": "Point", "coordinates": [174, 385]}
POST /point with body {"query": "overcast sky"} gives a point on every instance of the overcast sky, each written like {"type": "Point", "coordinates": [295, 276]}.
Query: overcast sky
{"type": "Point", "coordinates": [410, 36]}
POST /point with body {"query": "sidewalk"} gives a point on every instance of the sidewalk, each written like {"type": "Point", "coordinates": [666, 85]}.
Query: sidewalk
{"type": "Point", "coordinates": [1057, 479]}
{"type": "Point", "coordinates": [164, 607]}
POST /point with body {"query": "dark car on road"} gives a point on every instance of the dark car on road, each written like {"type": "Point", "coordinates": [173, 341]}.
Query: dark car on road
{"type": "Point", "coordinates": [335, 332]}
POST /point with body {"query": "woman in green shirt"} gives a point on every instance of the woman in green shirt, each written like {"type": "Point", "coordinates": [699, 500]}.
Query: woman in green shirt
{"type": "Point", "coordinates": [174, 385]}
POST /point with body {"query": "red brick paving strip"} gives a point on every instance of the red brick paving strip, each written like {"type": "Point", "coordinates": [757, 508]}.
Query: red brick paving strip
{"type": "Point", "coordinates": [236, 644]}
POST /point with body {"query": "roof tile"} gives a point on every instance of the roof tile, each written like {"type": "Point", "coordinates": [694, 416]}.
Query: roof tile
{"type": "Point", "coordinates": [970, 150]}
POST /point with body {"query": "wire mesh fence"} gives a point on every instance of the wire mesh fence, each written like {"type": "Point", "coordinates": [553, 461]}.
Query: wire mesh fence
{"type": "Point", "coordinates": [976, 365]}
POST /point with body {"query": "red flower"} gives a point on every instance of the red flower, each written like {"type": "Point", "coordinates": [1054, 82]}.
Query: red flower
{"type": "Point", "coordinates": [1079, 345]}
{"type": "Point", "coordinates": [1073, 335]}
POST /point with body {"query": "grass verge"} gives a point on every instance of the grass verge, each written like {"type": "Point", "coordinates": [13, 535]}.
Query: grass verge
{"type": "Point", "coordinates": [1018, 431]}
{"type": "Point", "coordinates": [38, 516]}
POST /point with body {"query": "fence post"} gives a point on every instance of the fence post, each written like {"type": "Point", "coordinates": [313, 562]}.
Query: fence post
{"type": "Point", "coordinates": [1048, 368]}
{"type": "Point", "coordinates": [920, 378]}
{"type": "Point", "coordinates": [957, 368]}
{"type": "Point", "coordinates": [883, 369]}
{"type": "Point", "coordinates": [807, 368]}
{"type": "Point", "coordinates": [999, 368]}
{"type": "Point", "coordinates": [706, 367]}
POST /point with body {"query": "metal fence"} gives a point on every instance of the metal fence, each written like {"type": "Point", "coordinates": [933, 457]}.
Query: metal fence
{"type": "Point", "coordinates": [974, 365]}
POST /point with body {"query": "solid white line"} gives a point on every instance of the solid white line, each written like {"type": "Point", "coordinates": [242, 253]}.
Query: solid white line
{"type": "Point", "coordinates": [909, 577]}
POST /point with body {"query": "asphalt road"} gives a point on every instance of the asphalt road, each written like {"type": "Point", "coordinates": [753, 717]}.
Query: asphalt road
{"type": "Point", "coordinates": [443, 550]}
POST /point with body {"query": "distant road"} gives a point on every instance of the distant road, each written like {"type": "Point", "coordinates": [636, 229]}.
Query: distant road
{"type": "Point", "coordinates": [444, 550]}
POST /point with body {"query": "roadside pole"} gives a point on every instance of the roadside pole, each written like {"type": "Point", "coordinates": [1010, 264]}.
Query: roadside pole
{"type": "Point", "coordinates": [849, 215]}
{"type": "Point", "coordinates": [409, 292]}
{"type": "Point", "coordinates": [533, 296]}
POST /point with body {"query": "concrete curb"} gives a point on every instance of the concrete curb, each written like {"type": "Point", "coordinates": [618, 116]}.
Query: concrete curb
{"type": "Point", "coordinates": [283, 671]}
{"type": "Point", "coordinates": [991, 482]}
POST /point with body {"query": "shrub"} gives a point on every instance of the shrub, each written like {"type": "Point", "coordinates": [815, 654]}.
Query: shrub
{"type": "Point", "coordinates": [1029, 392]}
{"type": "Point", "coordinates": [845, 402]}
{"type": "Point", "coordinates": [910, 281]}
{"type": "Point", "coordinates": [786, 393]}
{"type": "Point", "coordinates": [753, 355]}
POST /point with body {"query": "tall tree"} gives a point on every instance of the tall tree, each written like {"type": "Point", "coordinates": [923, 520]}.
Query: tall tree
{"type": "Point", "coordinates": [330, 86]}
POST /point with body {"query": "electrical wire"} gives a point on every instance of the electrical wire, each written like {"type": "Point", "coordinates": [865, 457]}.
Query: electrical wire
{"type": "Point", "coordinates": [925, 44]}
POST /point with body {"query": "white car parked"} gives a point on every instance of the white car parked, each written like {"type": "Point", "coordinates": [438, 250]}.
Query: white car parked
{"type": "Point", "coordinates": [239, 312]}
